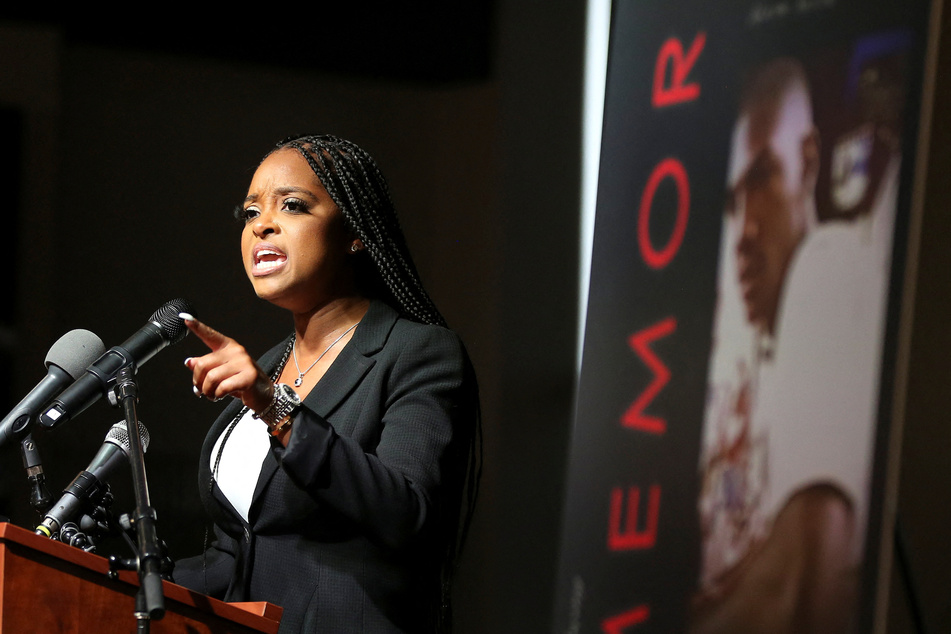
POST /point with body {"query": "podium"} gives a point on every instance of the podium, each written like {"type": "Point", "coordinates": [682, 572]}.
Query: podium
{"type": "Point", "coordinates": [48, 586]}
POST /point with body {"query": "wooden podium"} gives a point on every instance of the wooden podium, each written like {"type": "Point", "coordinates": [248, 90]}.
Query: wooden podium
{"type": "Point", "coordinates": [48, 586]}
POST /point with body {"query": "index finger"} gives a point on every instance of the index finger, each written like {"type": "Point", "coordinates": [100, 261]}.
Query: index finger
{"type": "Point", "coordinates": [208, 335]}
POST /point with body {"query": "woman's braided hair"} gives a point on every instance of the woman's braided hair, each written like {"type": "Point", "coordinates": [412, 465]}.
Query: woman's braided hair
{"type": "Point", "coordinates": [386, 271]}
{"type": "Point", "coordinates": [358, 188]}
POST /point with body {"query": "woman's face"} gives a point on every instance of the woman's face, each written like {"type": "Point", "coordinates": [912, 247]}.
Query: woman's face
{"type": "Point", "coordinates": [295, 243]}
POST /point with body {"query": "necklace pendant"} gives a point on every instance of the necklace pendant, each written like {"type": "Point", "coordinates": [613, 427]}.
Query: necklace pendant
{"type": "Point", "coordinates": [300, 375]}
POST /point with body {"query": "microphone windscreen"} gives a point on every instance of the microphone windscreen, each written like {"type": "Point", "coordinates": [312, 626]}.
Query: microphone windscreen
{"type": "Point", "coordinates": [74, 351]}
{"type": "Point", "coordinates": [173, 326]}
{"type": "Point", "coordinates": [119, 435]}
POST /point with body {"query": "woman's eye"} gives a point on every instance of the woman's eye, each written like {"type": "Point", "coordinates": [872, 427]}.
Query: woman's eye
{"type": "Point", "coordinates": [294, 205]}
{"type": "Point", "coordinates": [249, 213]}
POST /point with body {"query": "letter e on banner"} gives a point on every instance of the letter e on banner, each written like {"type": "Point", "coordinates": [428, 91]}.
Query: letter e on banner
{"type": "Point", "coordinates": [639, 342]}
{"type": "Point", "coordinates": [618, 623]}
{"type": "Point", "coordinates": [628, 536]}
{"type": "Point", "coordinates": [672, 168]}
{"type": "Point", "coordinates": [678, 90]}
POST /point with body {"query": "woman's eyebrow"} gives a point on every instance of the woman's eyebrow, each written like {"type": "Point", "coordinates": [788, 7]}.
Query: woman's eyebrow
{"type": "Point", "coordinates": [282, 191]}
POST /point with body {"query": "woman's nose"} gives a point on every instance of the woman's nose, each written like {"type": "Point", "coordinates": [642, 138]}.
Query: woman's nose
{"type": "Point", "coordinates": [263, 225]}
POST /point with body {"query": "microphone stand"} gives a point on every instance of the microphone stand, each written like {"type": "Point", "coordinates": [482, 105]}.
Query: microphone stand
{"type": "Point", "coordinates": [150, 600]}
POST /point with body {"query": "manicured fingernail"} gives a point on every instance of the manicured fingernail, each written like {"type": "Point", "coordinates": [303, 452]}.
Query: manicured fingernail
{"type": "Point", "coordinates": [196, 392]}
{"type": "Point", "coordinates": [188, 362]}
{"type": "Point", "coordinates": [186, 316]}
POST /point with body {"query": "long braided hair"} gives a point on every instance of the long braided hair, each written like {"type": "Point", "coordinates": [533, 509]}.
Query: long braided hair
{"type": "Point", "coordinates": [385, 270]}
{"type": "Point", "coordinates": [357, 186]}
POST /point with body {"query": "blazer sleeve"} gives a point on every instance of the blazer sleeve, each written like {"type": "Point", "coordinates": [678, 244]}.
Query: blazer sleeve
{"type": "Point", "coordinates": [392, 491]}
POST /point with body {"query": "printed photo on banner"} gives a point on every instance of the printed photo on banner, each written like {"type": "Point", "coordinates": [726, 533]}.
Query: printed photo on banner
{"type": "Point", "coordinates": [803, 277]}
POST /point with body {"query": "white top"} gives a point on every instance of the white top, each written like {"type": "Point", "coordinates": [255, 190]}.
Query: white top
{"type": "Point", "coordinates": [241, 461]}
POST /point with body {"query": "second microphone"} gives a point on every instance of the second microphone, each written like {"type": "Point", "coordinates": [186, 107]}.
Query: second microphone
{"type": "Point", "coordinates": [90, 482]}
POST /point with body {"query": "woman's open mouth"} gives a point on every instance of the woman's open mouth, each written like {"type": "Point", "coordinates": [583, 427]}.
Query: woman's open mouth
{"type": "Point", "coordinates": [266, 259]}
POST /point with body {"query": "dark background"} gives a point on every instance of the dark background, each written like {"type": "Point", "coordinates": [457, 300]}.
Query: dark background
{"type": "Point", "coordinates": [126, 145]}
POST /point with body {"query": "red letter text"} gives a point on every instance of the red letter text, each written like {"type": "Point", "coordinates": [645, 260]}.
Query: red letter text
{"type": "Point", "coordinates": [619, 623]}
{"type": "Point", "coordinates": [625, 535]}
{"type": "Point", "coordinates": [678, 91]}
{"type": "Point", "coordinates": [640, 342]}
{"type": "Point", "coordinates": [674, 169]}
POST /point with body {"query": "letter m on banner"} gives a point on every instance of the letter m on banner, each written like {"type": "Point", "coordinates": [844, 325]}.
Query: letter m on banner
{"type": "Point", "coordinates": [639, 342]}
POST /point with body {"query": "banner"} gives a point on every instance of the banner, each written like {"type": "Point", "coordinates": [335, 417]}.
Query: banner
{"type": "Point", "coordinates": [730, 440]}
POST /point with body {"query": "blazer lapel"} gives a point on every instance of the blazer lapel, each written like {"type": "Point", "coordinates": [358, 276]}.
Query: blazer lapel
{"type": "Point", "coordinates": [341, 378]}
{"type": "Point", "coordinates": [354, 361]}
{"type": "Point", "coordinates": [268, 469]}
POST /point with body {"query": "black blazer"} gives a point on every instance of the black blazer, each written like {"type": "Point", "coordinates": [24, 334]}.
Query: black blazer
{"type": "Point", "coordinates": [348, 524]}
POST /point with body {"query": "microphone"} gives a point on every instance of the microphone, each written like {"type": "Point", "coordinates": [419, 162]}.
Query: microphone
{"type": "Point", "coordinates": [163, 328]}
{"type": "Point", "coordinates": [66, 360]}
{"type": "Point", "coordinates": [91, 481]}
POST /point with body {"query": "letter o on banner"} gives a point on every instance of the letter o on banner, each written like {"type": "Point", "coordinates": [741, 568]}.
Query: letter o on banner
{"type": "Point", "coordinates": [659, 258]}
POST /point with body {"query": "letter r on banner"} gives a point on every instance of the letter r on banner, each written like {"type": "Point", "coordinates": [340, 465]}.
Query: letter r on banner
{"type": "Point", "coordinates": [679, 90]}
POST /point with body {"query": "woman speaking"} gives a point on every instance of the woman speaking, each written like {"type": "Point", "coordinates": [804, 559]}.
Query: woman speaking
{"type": "Point", "coordinates": [342, 476]}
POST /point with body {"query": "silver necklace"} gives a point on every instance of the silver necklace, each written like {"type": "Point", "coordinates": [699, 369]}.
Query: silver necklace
{"type": "Point", "coordinates": [300, 375]}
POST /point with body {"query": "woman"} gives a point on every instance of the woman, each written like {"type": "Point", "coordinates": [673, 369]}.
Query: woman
{"type": "Point", "coordinates": [335, 479]}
